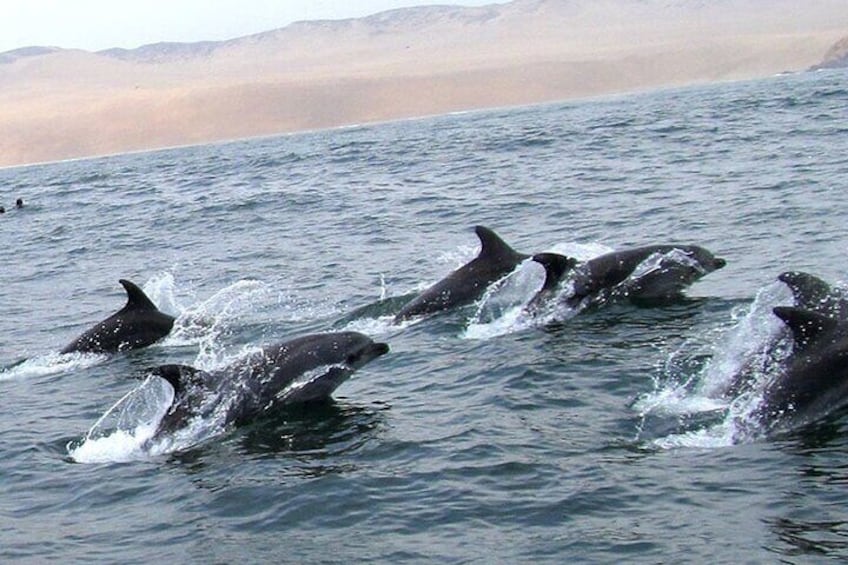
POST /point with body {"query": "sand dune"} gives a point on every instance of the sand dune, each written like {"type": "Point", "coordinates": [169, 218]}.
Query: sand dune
{"type": "Point", "coordinates": [60, 104]}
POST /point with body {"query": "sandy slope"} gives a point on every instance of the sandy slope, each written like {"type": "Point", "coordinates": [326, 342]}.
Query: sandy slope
{"type": "Point", "coordinates": [66, 104]}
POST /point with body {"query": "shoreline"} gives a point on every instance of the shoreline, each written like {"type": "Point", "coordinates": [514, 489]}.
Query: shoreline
{"type": "Point", "coordinates": [411, 118]}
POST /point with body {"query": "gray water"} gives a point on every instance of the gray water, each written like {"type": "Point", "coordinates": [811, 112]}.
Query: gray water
{"type": "Point", "coordinates": [483, 436]}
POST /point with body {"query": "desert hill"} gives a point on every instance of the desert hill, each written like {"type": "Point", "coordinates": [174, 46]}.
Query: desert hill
{"type": "Point", "coordinates": [59, 103]}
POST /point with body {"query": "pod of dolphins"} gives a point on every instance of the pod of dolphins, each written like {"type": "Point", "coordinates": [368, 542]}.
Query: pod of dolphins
{"type": "Point", "coordinates": [811, 383]}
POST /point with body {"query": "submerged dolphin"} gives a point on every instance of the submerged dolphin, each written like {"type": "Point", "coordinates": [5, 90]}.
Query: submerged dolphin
{"type": "Point", "coordinates": [468, 283]}
{"type": "Point", "coordinates": [678, 266]}
{"type": "Point", "coordinates": [304, 369]}
{"type": "Point", "coordinates": [138, 324]}
{"type": "Point", "coordinates": [814, 380]}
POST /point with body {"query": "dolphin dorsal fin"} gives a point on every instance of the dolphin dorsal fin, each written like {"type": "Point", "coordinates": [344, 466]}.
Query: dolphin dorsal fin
{"type": "Point", "coordinates": [492, 246]}
{"type": "Point", "coordinates": [136, 299]}
{"type": "Point", "coordinates": [556, 266]}
{"type": "Point", "coordinates": [806, 325]}
{"type": "Point", "coordinates": [178, 376]}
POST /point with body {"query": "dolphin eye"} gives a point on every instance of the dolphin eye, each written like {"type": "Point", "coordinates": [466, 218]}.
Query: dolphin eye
{"type": "Point", "coordinates": [352, 358]}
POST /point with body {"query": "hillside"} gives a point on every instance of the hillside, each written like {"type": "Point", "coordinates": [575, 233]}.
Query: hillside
{"type": "Point", "coordinates": [58, 104]}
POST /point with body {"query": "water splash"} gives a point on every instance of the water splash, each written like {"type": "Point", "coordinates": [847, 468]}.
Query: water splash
{"type": "Point", "coordinates": [503, 309]}
{"type": "Point", "coordinates": [722, 397]}
{"type": "Point", "coordinates": [379, 326]}
{"type": "Point", "coordinates": [51, 364]}
{"type": "Point", "coordinates": [207, 319]}
{"type": "Point", "coordinates": [122, 433]}
{"type": "Point", "coordinates": [161, 289]}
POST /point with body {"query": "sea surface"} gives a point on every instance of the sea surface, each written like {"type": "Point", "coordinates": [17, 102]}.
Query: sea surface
{"type": "Point", "coordinates": [484, 435]}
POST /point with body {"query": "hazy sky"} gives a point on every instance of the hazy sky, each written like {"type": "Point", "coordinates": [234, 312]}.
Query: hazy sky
{"type": "Point", "coordinates": [100, 24]}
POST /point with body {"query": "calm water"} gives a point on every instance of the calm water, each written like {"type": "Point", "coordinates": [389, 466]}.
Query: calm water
{"type": "Point", "coordinates": [482, 436]}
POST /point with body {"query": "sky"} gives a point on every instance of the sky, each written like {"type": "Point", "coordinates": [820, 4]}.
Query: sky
{"type": "Point", "coordinates": [100, 24]}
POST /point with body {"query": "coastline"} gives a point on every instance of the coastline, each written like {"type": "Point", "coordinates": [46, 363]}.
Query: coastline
{"type": "Point", "coordinates": [376, 122]}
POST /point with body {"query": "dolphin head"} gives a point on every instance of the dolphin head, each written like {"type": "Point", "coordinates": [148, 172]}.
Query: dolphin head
{"type": "Point", "coordinates": [362, 354]}
{"type": "Point", "coordinates": [705, 259]}
{"type": "Point", "coordinates": [311, 368]}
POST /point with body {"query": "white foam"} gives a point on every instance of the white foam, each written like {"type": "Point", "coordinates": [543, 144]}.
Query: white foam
{"type": "Point", "coordinates": [51, 364]}
{"type": "Point", "coordinates": [714, 437]}
{"type": "Point", "coordinates": [676, 400]}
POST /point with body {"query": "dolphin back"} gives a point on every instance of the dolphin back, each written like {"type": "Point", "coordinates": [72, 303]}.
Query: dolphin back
{"type": "Point", "coordinates": [463, 286]}
{"type": "Point", "coordinates": [138, 324]}
{"type": "Point", "coordinates": [807, 326]}
{"type": "Point", "coordinates": [677, 267]}
{"type": "Point", "coordinates": [495, 249]}
{"type": "Point", "coordinates": [814, 381]}
{"type": "Point", "coordinates": [136, 299]}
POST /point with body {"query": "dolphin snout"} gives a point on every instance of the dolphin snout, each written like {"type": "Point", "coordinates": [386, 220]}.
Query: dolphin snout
{"type": "Point", "coordinates": [367, 353]}
{"type": "Point", "coordinates": [718, 263]}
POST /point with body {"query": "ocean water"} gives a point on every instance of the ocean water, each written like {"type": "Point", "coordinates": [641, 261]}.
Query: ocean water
{"type": "Point", "coordinates": [484, 435]}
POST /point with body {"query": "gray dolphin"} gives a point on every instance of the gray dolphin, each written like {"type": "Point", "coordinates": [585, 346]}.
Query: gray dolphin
{"type": "Point", "coordinates": [597, 278]}
{"type": "Point", "coordinates": [138, 324]}
{"type": "Point", "coordinates": [814, 381]}
{"type": "Point", "coordinates": [304, 369]}
{"type": "Point", "coordinates": [468, 283]}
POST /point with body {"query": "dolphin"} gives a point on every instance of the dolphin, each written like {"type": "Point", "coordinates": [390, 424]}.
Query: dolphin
{"type": "Point", "coordinates": [301, 370]}
{"type": "Point", "coordinates": [814, 381]}
{"type": "Point", "coordinates": [618, 273]}
{"type": "Point", "coordinates": [468, 283]}
{"type": "Point", "coordinates": [138, 324]}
